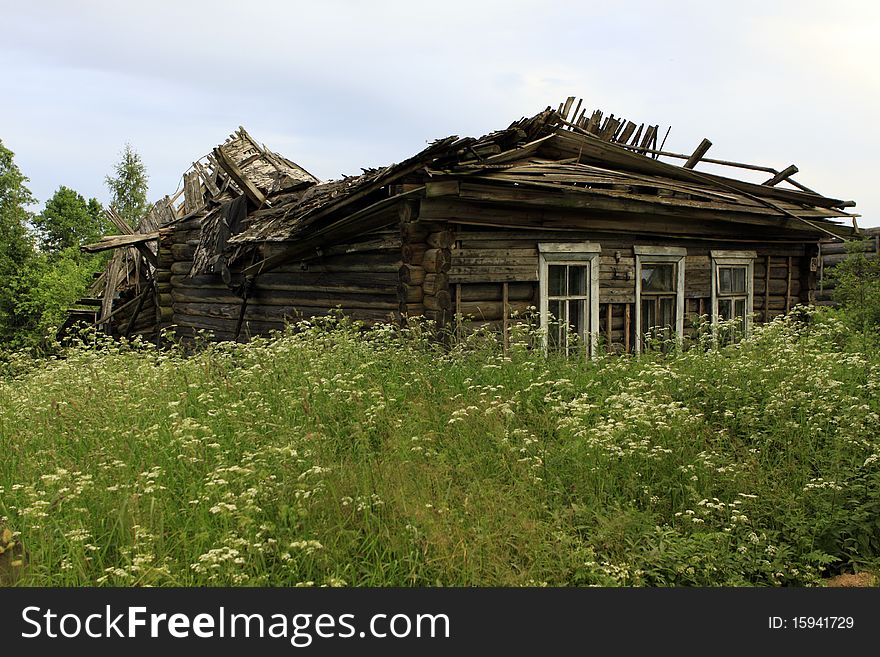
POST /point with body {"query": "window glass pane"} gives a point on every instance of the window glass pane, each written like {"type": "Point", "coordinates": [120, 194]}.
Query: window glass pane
{"type": "Point", "coordinates": [725, 309]}
{"type": "Point", "coordinates": [556, 325]}
{"type": "Point", "coordinates": [738, 279]}
{"type": "Point", "coordinates": [724, 284]}
{"type": "Point", "coordinates": [577, 316]}
{"type": "Point", "coordinates": [556, 284]}
{"type": "Point", "coordinates": [667, 312]}
{"type": "Point", "coordinates": [649, 314]}
{"type": "Point", "coordinates": [577, 280]}
{"type": "Point", "coordinates": [657, 277]}
{"type": "Point", "coordinates": [740, 307]}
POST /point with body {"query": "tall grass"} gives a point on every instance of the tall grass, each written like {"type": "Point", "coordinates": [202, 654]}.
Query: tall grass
{"type": "Point", "coordinates": [338, 455]}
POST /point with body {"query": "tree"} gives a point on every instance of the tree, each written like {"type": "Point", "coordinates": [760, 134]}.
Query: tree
{"type": "Point", "coordinates": [858, 288]}
{"type": "Point", "coordinates": [17, 254]}
{"type": "Point", "coordinates": [128, 187]}
{"type": "Point", "coordinates": [69, 221]}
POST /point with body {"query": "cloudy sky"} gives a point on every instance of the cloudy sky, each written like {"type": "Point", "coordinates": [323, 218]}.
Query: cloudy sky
{"type": "Point", "coordinates": [338, 85]}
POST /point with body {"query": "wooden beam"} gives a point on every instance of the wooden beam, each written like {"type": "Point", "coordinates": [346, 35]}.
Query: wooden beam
{"type": "Point", "coordinates": [505, 317]}
{"type": "Point", "coordinates": [240, 179]}
{"type": "Point", "coordinates": [782, 175]}
{"type": "Point", "coordinates": [115, 241]}
{"type": "Point", "coordinates": [698, 154]}
{"type": "Point", "coordinates": [608, 307]}
{"type": "Point", "coordinates": [766, 289]}
{"type": "Point", "coordinates": [118, 221]}
{"type": "Point", "coordinates": [788, 287]}
{"type": "Point", "coordinates": [626, 326]}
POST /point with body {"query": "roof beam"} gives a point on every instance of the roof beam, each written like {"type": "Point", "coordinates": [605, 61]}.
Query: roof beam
{"type": "Point", "coordinates": [782, 175]}
{"type": "Point", "coordinates": [698, 154]}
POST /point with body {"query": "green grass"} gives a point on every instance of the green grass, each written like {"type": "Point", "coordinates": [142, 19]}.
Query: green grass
{"type": "Point", "coordinates": [336, 455]}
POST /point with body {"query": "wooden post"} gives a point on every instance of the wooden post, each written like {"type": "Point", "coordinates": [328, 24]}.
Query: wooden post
{"type": "Point", "coordinates": [505, 309]}
{"type": "Point", "coordinates": [766, 289]}
{"type": "Point", "coordinates": [458, 317]}
{"type": "Point", "coordinates": [788, 287]}
{"type": "Point", "coordinates": [608, 324]}
{"type": "Point", "coordinates": [626, 326]}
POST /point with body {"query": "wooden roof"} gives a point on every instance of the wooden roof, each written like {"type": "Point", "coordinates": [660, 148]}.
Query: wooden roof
{"type": "Point", "coordinates": [562, 154]}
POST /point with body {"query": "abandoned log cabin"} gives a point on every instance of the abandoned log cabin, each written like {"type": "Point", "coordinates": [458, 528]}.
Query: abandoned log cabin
{"type": "Point", "coordinates": [566, 212]}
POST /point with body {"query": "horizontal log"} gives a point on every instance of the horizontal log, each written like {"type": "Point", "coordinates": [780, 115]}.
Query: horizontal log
{"type": "Point", "coordinates": [182, 251]}
{"type": "Point", "coordinates": [607, 295]}
{"type": "Point", "coordinates": [287, 297]}
{"type": "Point", "coordinates": [181, 268]}
{"type": "Point", "coordinates": [491, 310]}
{"type": "Point", "coordinates": [836, 258]}
{"type": "Point", "coordinates": [775, 303]}
{"type": "Point", "coordinates": [491, 263]}
{"type": "Point", "coordinates": [460, 274]}
{"type": "Point", "coordinates": [776, 271]}
{"type": "Point", "coordinates": [868, 246]}
{"type": "Point", "coordinates": [778, 286]}
{"type": "Point", "coordinates": [179, 236]}
{"type": "Point", "coordinates": [352, 265]}
{"type": "Point", "coordinates": [525, 253]}
{"type": "Point", "coordinates": [493, 292]}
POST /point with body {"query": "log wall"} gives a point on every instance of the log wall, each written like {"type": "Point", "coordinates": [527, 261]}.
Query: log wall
{"type": "Point", "coordinates": [491, 264]}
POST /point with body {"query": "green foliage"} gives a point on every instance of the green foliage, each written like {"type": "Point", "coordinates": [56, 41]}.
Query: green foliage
{"type": "Point", "coordinates": [128, 186]}
{"type": "Point", "coordinates": [858, 288]}
{"type": "Point", "coordinates": [69, 221]}
{"type": "Point", "coordinates": [16, 246]}
{"type": "Point", "coordinates": [337, 454]}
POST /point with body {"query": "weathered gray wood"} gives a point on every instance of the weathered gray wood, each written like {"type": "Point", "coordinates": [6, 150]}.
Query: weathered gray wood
{"type": "Point", "coordinates": [698, 154]}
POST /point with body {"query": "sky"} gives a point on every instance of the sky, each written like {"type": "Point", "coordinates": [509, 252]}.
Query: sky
{"type": "Point", "coordinates": [338, 85]}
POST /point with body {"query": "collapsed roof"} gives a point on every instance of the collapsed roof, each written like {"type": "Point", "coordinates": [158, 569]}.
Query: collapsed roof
{"type": "Point", "coordinates": [245, 194]}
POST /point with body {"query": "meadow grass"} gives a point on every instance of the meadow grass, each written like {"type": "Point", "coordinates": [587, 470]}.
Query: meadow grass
{"type": "Point", "coordinates": [338, 455]}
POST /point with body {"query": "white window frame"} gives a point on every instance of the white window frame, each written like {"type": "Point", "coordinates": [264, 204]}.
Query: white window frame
{"type": "Point", "coordinates": [735, 259]}
{"type": "Point", "coordinates": [661, 254]}
{"type": "Point", "coordinates": [570, 253]}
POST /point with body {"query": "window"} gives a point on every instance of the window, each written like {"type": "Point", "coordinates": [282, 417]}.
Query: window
{"type": "Point", "coordinates": [569, 291]}
{"type": "Point", "coordinates": [659, 291]}
{"type": "Point", "coordinates": [732, 291]}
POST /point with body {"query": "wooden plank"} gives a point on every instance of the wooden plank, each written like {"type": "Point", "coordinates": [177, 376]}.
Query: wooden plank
{"type": "Point", "coordinates": [458, 316]}
{"type": "Point", "coordinates": [193, 199]}
{"type": "Point", "coordinates": [240, 179]}
{"type": "Point", "coordinates": [608, 313]}
{"type": "Point", "coordinates": [782, 175]}
{"type": "Point", "coordinates": [505, 319]}
{"type": "Point", "coordinates": [116, 241]}
{"type": "Point", "coordinates": [441, 188]}
{"type": "Point", "coordinates": [766, 288]}
{"type": "Point", "coordinates": [120, 223]}
{"type": "Point", "coordinates": [788, 287]}
{"type": "Point", "coordinates": [207, 178]}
